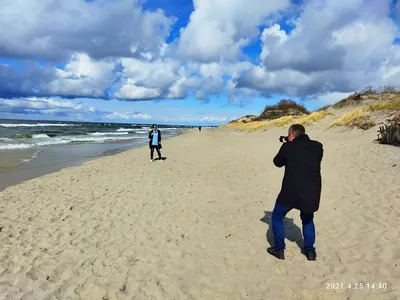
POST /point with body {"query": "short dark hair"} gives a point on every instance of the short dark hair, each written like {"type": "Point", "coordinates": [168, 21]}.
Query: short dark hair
{"type": "Point", "coordinates": [297, 129]}
{"type": "Point", "coordinates": [154, 125]}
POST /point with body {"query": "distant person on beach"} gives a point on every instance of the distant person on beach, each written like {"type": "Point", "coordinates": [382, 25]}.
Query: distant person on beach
{"type": "Point", "coordinates": [301, 188]}
{"type": "Point", "coordinates": [200, 128]}
{"type": "Point", "coordinates": [155, 142]}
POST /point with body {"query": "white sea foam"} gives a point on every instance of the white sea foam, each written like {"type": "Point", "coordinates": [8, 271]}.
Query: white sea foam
{"type": "Point", "coordinates": [40, 136]}
{"type": "Point", "coordinates": [137, 130]}
{"type": "Point", "coordinates": [122, 129]}
{"type": "Point", "coordinates": [14, 146]}
{"type": "Point", "coordinates": [25, 160]}
{"type": "Point", "coordinates": [36, 125]}
{"type": "Point", "coordinates": [38, 142]}
{"type": "Point", "coordinates": [107, 133]}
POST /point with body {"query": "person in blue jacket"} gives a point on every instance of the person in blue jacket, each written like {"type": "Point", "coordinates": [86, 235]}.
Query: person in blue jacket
{"type": "Point", "coordinates": [155, 142]}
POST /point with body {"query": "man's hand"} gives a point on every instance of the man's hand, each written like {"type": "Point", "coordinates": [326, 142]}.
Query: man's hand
{"type": "Point", "coordinates": [284, 140]}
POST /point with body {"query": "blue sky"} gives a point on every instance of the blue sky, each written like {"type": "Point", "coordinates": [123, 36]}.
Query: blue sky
{"type": "Point", "coordinates": [183, 62]}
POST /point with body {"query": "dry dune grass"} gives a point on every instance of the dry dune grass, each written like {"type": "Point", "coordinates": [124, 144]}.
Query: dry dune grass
{"type": "Point", "coordinates": [354, 118]}
{"type": "Point", "coordinates": [367, 103]}
{"type": "Point", "coordinates": [313, 117]}
{"type": "Point", "coordinates": [279, 122]}
{"type": "Point", "coordinates": [257, 125]}
{"type": "Point", "coordinates": [360, 117]}
{"type": "Point", "coordinates": [393, 105]}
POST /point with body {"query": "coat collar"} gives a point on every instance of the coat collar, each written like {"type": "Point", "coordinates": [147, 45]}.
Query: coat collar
{"type": "Point", "coordinates": [302, 137]}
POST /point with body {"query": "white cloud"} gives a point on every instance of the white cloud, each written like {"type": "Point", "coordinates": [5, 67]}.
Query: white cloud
{"type": "Point", "coordinates": [216, 119]}
{"type": "Point", "coordinates": [219, 28]}
{"type": "Point", "coordinates": [42, 106]}
{"type": "Point", "coordinates": [115, 48]}
{"type": "Point", "coordinates": [53, 30]}
{"type": "Point", "coordinates": [128, 116]}
{"type": "Point", "coordinates": [192, 119]}
{"type": "Point", "coordinates": [83, 77]}
{"type": "Point", "coordinates": [132, 91]}
{"type": "Point", "coordinates": [335, 47]}
{"type": "Point", "coordinates": [57, 107]}
{"type": "Point", "coordinates": [169, 78]}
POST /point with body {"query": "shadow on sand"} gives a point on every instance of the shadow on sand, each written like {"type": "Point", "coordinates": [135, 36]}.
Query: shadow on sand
{"type": "Point", "coordinates": [162, 158]}
{"type": "Point", "coordinates": [292, 231]}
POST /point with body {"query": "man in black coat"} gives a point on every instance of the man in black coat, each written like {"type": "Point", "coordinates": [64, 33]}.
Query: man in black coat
{"type": "Point", "coordinates": [301, 188]}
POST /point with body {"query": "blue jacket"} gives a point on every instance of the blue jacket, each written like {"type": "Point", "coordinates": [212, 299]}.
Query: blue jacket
{"type": "Point", "coordinates": [151, 137]}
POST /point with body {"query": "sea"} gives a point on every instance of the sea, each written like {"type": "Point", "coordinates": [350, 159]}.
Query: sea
{"type": "Point", "coordinates": [29, 149]}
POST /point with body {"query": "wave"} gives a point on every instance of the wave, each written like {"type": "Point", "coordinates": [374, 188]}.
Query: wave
{"type": "Point", "coordinates": [25, 160]}
{"type": "Point", "coordinates": [136, 130]}
{"type": "Point", "coordinates": [122, 129]}
{"type": "Point", "coordinates": [14, 146]}
{"type": "Point", "coordinates": [38, 142]}
{"type": "Point", "coordinates": [144, 129]}
{"type": "Point", "coordinates": [10, 125]}
{"type": "Point", "coordinates": [107, 133]}
{"type": "Point", "coordinates": [40, 136]}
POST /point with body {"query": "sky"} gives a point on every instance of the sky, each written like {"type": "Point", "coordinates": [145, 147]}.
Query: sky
{"type": "Point", "coordinates": [200, 62]}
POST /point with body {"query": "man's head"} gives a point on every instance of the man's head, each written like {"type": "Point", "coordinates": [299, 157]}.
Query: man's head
{"type": "Point", "coordinates": [154, 127]}
{"type": "Point", "coordinates": [295, 130]}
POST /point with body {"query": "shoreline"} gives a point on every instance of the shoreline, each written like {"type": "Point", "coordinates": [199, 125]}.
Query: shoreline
{"type": "Point", "coordinates": [197, 225]}
{"type": "Point", "coordinates": [32, 169]}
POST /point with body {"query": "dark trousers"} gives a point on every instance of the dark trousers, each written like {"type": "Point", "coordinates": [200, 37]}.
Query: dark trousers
{"type": "Point", "coordinates": [152, 151]}
{"type": "Point", "coordinates": [307, 219]}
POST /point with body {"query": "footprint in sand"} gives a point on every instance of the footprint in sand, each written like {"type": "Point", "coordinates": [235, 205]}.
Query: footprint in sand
{"type": "Point", "coordinates": [101, 268]}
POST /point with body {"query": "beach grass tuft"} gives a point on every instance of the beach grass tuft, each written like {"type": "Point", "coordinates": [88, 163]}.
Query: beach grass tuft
{"type": "Point", "coordinates": [258, 125]}
{"type": "Point", "coordinates": [359, 118]}
{"type": "Point", "coordinates": [368, 92]}
{"type": "Point", "coordinates": [313, 117]}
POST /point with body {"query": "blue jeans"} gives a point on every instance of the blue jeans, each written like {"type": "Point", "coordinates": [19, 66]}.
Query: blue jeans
{"type": "Point", "coordinates": [279, 214]}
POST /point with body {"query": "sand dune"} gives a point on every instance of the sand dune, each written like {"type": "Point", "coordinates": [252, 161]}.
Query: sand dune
{"type": "Point", "coordinates": [195, 226]}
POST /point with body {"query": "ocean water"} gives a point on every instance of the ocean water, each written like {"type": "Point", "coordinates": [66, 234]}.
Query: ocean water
{"type": "Point", "coordinates": [33, 148]}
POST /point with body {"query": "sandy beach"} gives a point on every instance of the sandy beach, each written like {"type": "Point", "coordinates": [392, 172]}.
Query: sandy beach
{"type": "Point", "coordinates": [196, 226]}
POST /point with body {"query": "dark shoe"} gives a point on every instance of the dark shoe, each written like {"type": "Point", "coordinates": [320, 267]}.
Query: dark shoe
{"type": "Point", "coordinates": [311, 255]}
{"type": "Point", "coordinates": [278, 253]}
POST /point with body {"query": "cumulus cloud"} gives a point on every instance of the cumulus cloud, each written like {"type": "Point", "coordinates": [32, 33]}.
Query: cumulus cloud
{"type": "Point", "coordinates": [81, 77]}
{"type": "Point", "coordinates": [128, 116]}
{"type": "Point", "coordinates": [42, 106]}
{"type": "Point", "coordinates": [216, 119]}
{"type": "Point", "coordinates": [55, 30]}
{"type": "Point", "coordinates": [169, 79]}
{"type": "Point", "coordinates": [58, 108]}
{"type": "Point", "coordinates": [336, 46]}
{"type": "Point", "coordinates": [195, 119]}
{"type": "Point", "coordinates": [115, 49]}
{"type": "Point", "coordinates": [219, 29]}
{"type": "Point", "coordinates": [124, 79]}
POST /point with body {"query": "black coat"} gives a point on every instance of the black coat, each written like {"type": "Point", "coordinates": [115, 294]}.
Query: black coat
{"type": "Point", "coordinates": [301, 186]}
{"type": "Point", "coordinates": [151, 137]}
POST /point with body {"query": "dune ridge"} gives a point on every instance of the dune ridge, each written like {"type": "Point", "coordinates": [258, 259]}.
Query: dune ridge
{"type": "Point", "coordinates": [367, 109]}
